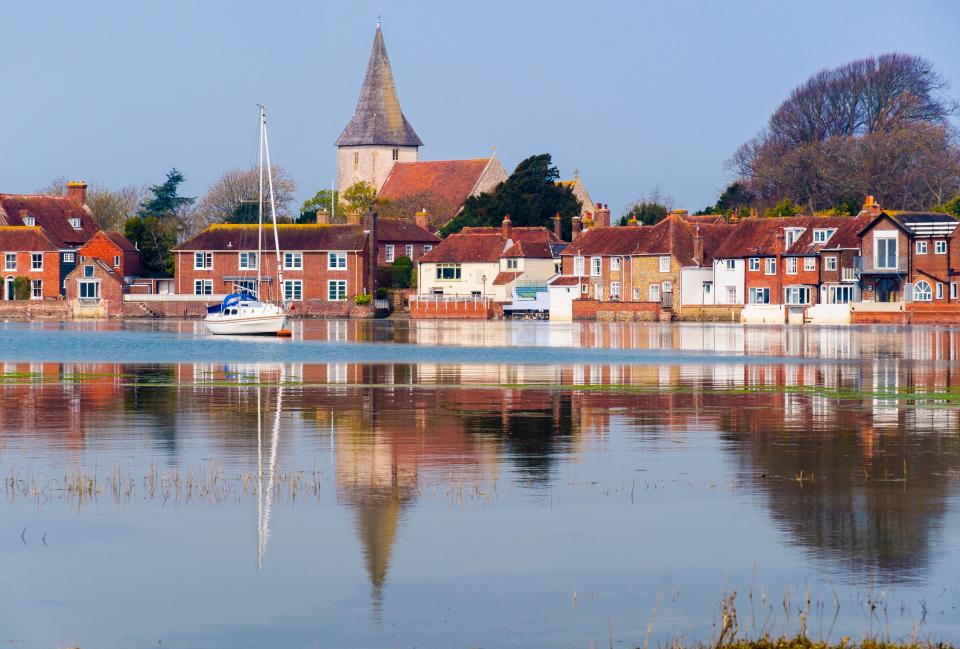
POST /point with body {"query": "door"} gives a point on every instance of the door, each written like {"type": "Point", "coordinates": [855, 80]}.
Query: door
{"type": "Point", "coordinates": [8, 289]}
{"type": "Point", "coordinates": [888, 289]}
{"type": "Point", "coordinates": [708, 293]}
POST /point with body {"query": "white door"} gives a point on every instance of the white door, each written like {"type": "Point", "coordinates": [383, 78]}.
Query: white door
{"type": "Point", "coordinates": [654, 292]}
{"type": "Point", "coordinates": [708, 292]}
{"type": "Point", "coordinates": [8, 288]}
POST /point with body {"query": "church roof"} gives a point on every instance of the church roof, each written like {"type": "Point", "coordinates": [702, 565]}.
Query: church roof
{"type": "Point", "coordinates": [450, 181]}
{"type": "Point", "coordinates": [378, 118]}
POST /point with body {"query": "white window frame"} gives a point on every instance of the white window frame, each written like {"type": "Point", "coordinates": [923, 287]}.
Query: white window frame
{"type": "Point", "coordinates": [653, 294]}
{"type": "Point", "coordinates": [731, 264]}
{"type": "Point", "coordinates": [512, 263]}
{"type": "Point", "coordinates": [791, 265]}
{"type": "Point", "coordinates": [809, 264]}
{"type": "Point", "coordinates": [408, 250]}
{"type": "Point", "coordinates": [614, 263]}
{"type": "Point", "coordinates": [584, 289]}
{"type": "Point", "coordinates": [920, 248]}
{"type": "Point", "coordinates": [427, 248]}
{"type": "Point", "coordinates": [245, 258]}
{"type": "Point", "coordinates": [75, 223]}
{"type": "Point", "coordinates": [337, 260]}
{"type": "Point", "coordinates": [940, 247]}
{"type": "Point", "coordinates": [293, 260]}
{"type": "Point", "coordinates": [822, 235]}
{"type": "Point", "coordinates": [791, 293]}
{"type": "Point", "coordinates": [886, 235]}
{"type": "Point", "coordinates": [203, 287]}
{"type": "Point", "coordinates": [939, 290]}
{"type": "Point", "coordinates": [293, 290]}
{"type": "Point", "coordinates": [88, 283]}
{"type": "Point", "coordinates": [456, 275]}
{"type": "Point", "coordinates": [846, 291]}
{"type": "Point", "coordinates": [116, 261]}
{"type": "Point", "coordinates": [953, 290]}
{"type": "Point", "coordinates": [755, 263]}
{"type": "Point", "coordinates": [202, 260]}
{"type": "Point", "coordinates": [665, 264]}
{"type": "Point", "coordinates": [762, 291]}
{"type": "Point", "coordinates": [830, 262]}
{"type": "Point", "coordinates": [7, 257]}
{"type": "Point", "coordinates": [36, 289]}
{"type": "Point", "coordinates": [389, 253]}
{"type": "Point", "coordinates": [337, 296]}
{"type": "Point", "coordinates": [666, 287]}
{"type": "Point", "coordinates": [924, 293]}
{"type": "Point", "coordinates": [636, 294]}
{"type": "Point", "coordinates": [578, 265]}
{"type": "Point", "coordinates": [790, 235]}
{"type": "Point", "coordinates": [68, 257]}
{"type": "Point", "coordinates": [596, 266]}
{"type": "Point", "coordinates": [614, 290]}
{"type": "Point", "coordinates": [29, 221]}
{"type": "Point", "coordinates": [36, 261]}
{"type": "Point", "coordinates": [88, 271]}
{"type": "Point", "coordinates": [769, 265]}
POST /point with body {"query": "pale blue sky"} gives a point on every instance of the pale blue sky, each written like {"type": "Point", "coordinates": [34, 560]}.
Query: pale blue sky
{"type": "Point", "coordinates": [633, 94]}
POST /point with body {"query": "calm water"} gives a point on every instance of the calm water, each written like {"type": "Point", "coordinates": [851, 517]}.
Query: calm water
{"type": "Point", "coordinates": [396, 484]}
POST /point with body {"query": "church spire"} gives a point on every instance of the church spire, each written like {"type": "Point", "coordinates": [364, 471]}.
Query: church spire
{"type": "Point", "coordinates": [378, 118]}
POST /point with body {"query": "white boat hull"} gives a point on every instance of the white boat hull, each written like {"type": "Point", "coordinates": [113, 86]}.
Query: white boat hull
{"type": "Point", "coordinates": [262, 319]}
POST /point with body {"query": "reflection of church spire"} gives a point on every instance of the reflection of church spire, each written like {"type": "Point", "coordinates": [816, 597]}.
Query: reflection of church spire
{"type": "Point", "coordinates": [378, 519]}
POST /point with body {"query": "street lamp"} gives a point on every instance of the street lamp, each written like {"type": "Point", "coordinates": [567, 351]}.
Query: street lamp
{"type": "Point", "coordinates": [483, 278]}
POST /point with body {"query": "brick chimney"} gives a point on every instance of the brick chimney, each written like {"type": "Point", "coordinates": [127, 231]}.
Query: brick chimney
{"type": "Point", "coordinates": [422, 218]}
{"type": "Point", "coordinates": [507, 227]}
{"type": "Point", "coordinates": [556, 226]}
{"type": "Point", "coordinates": [871, 206]}
{"type": "Point", "coordinates": [370, 227]}
{"type": "Point", "coordinates": [698, 247]}
{"type": "Point", "coordinates": [323, 217]}
{"type": "Point", "coordinates": [633, 221]}
{"type": "Point", "coordinates": [575, 228]}
{"type": "Point", "coordinates": [77, 192]}
{"type": "Point", "coordinates": [603, 216]}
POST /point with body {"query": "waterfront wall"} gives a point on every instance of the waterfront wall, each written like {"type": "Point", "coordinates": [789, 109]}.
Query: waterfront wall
{"type": "Point", "coordinates": [710, 313]}
{"type": "Point", "coordinates": [440, 309]}
{"type": "Point", "coordinates": [35, 309]}
{"type": "Point", "coordinates": [616, 311]}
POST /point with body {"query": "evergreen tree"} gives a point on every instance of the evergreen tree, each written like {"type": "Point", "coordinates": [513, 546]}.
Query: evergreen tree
{"type": "Point", "coordinates": [154, 229]}
{"type": "Point", "coordinates": [531, 196]}
{"type": "Point", "coordinates": [165, 200]}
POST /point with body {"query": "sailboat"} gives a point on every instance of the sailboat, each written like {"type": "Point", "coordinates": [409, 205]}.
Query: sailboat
{"type": "Point", "coordinates": [243, 312]}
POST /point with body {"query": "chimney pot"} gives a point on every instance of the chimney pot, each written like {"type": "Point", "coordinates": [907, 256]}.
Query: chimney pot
{"type": "Point", "coordinates": [556, 226]}
{"type": "Point", "coordinates": [507, 227]}
{"type": "Point", "coordinates": [422, 218]}
{"type": "Point", "coordinates": [77, 192]}
{"type": "Point", "coordinates": [323, 217]}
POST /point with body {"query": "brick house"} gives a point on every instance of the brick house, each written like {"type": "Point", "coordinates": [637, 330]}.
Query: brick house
{"type": "Point", "coordinates": [29, 253]}
{"type": "Point", "coordinates": [839, 256]}
{"type": "Point", "coordinates": [66, 220]}
{"type": "Point", "coordinates": [906, 257]}
{"type": "Point", "coordinates": [95, 282]}
{"type": "Point", "coordinates": [321, 263]}
{"type": "Point", "coordinates": [803, 262]}
{"type": "Point", "coordinates": [113, 249]}
{"type": "Point", "coordinates": [400, 237]}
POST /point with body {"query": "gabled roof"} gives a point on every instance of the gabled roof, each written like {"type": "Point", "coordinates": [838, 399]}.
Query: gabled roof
{"type": "Point", "coordinates": [122, 242]}
{"type": "Point", "coordinates": [405, 231]}
{"type": "Point", "coordinates": [804, 245]}
{"type": "Point", "coordinates": [566, 280]}
{"type": "Point", "coordinates": [489, 244]}
{"type": "Point", "coordinates": [612, 240]}
{"type": "Point", "coordinates": [918, 224]}
{"type": "Point", "coordinates": [757, 237]}
{"type": "Point", "coordinates": [103, 266]}
{"type": "Point", "coordinates": [451, 181]}
{"type": "Point", "coordinates": [846, 237]}
{"type": "Point", "coordinates": [532, 249]}
{"type": "Point", "coordinates": [301, 237]}
{"type": "Point", "coordinates": [704, 218]}
{"type": "Point", "coordinates": [378, 118]}
{"type": "Point", "coordinates": [24, 238]}
{"type": "Point", "coordinates": [505, 277]}
{"type": "Point", "coordinates": [671, 236]}
{"type": "Point", "coordinates": [53, 214]}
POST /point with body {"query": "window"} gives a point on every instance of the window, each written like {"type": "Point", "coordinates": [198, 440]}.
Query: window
{"type": "Point", "coordinates": [36, 289]}
{"type": "Point", "coordinates": [614, 290]}
{"type": "Point", "coordinates": [754, 263]}
{"type": "Point", "coordinates": [791, 265]}
{"type": "Point", "coordinates": [665, 264]}
{"type": "Point", "coordinates": [511, 264]}
{"type": "Point", "coordinates": [921, 247]}
{"type": "Point", "coordinates": [336, 261]}
{"type": "Point", "coordinates": [68, 257]}
{"type": "Point", "coordinates": [822, 235]}
{"type": "Point", "coordinates": [654, 294]}
{"type": "Point", "coordinates": [770, 266]}
{"type": "Point", "coordinates": [29, 220]}
{"type": "Point", "coordinates": [89, 291]}
{"type": "Point", "coordinates": [922, 291]}
{"type": "Point", "coordinates": [293, 261]}
{"type": "Point", "coordinates": [116, 261]}
{"type": "Point", "coordinates": [830, 263]}
{"type": "Point", "coordinates": [842, 294]}
{"type": "Point", "coordinates": [578, 265]}
{"type": "Point", "coordinates": [731, 264]}
{"type": "Point", "coordinates": [953, 290]}
{"type": "Point", "coordinates": [707, 289]}
{"type": "Point", "coordinates": [596, 266]}
{"type": "Point", "coordinates": [796, 295]}
{"type": "Point", "coordinates": [791, 235]}
{"type": "Point", "coordinates": [668, 287]}
{"type": "Point", "coordinates": [389, 253]}
{"type": "Point", "coordinates": [408, 250]}
{"type": "Point", "coordinates": [75, 223]}
{"type": "Point", "coordinates": [202, 261]}
{"type": "Point", "coordinates": [809, 263]}
{"type": "Point", "coordinates": [337, 290]}
{"type": "Point", "coordinates": [731, 295]}
{"type": "Point", "coordinates": [636, 295]}
{"type": "Point", "coordinates": [356, 159]}
{"type": "Point", "coordinates": [293, 289]}
{"type": "Point", "coordinates": [598, 291]}
{"type": "Point", "coordinates": [36, 261]}
{"type": "Point", "coordinates": [248, 261]}
{"type": "Point", "coordinates": [939, 291]}
{"type": "Point", "coordinates": [759, 296]}
{"type": "Point", "coordinates": [395, 154]}
{"type": "Point", "coordinates": [88, 271]}
{"type": "Point", "coordinates": [885, 250]}
{"type": "Point", "coordinates": [427, 248]}
{"type": "Point", "coordinates": [614, 263]}
{"type": "Point", "coordinates": [448, 272]}
{"type": "Point", "coordinates": [584, 290]}
{"type": "Point", "coordinates": [940, 247]}
{"type": "Point", "coordinates": [203, 287]}
{"type": "Point", "coordinates": [10, 261]}
{"type": "Point", "coordinates": [245, 286]}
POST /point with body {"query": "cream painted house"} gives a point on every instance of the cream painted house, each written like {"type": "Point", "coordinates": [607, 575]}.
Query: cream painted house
{"type": "Point", "coordinates": [490, 262]}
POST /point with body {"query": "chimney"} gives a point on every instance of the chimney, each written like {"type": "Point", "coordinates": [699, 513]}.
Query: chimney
{"type": "Point", "coordinates": [871, 206]}
{"type": "Point", "coordinates": [23, 215]}
{"type": "Point", "coordinates": [575, 228]}
{"type": "Point", "coordinates": [373, 252]}
{"type": "Point", "coordinates": [77, 192]}
{"type": "Point", "coordinates": [698, 247]}
{"type": "Point", "coordinates": [779, 241]}
{"type": "Point", "coordinates": [323, 217]}
{"type": "Point", "coordinates": [633, 221]}
{"type": "Point", "coordinates": [422, 218]}
{"type": "Point", "coordinates": [353, 218]}
{"type": "Point", "coordinates": [507, 227]}
{"type": "Point", "coordinates": [754, 213]}
{"type": "Point", "coordinates": [603, 216]}
{"type": "Point", "coordinates": [556, 226]}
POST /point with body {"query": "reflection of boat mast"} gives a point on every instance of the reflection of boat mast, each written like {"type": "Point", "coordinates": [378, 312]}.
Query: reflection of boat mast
{"type": "Point", "coordinates": [265, 501]}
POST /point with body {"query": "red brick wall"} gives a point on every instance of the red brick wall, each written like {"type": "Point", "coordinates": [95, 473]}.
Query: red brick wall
{"type": "Point", "coordinates": [314, 274]}
{"type": "Point", "coordinates": [808, 277]}
{"type": "Point", "coordinates": [103, 248]}
{"type": "Point", "coordinates": [934, 264]}
{"type": "Point", "coordinates": [399, 250]}
{"type": "Point", "coordinates": [35, 310]}
{"type": "Point", "coordinates": [452, 310]}
{"type": "Point", "coordinates": [111, 290]}
{"type": "Point", "coordinates": [759, 279]}
{"type": "Point", "coordinates": [306, 309]}
{"type": "Point", "coordinates": [50, 275]}
{"type": "Point", "coordinates": [594, 310]}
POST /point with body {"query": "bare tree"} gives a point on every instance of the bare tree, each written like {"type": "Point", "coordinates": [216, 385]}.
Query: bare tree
{"type": "Point", "coordinates": [235, 193]}
{"type": "Point", "coordinates": [113, 207]}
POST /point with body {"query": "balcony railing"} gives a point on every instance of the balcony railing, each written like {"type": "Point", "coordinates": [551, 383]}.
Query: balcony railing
{"type": "Point", "coordinates": [849, 274]}
{"type": "Point", "coordinates": [869, 267]}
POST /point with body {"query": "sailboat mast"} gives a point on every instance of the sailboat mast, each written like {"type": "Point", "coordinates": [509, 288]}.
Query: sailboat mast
{"type": "Point", "coordinates": [273, 209]}
{"type": "Point", "coordinates": [260, 210]}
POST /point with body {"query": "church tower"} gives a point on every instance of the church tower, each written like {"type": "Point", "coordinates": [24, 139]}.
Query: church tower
{"type": "Point", "coordinates": [379, 135]}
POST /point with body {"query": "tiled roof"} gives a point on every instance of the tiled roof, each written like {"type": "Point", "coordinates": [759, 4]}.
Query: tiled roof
{"type": "Point", "coordinates": [612, 240]}
{"type": "Point", "coordinates": [403, 230]}
{"type": "Point", "coordinates": [103, 266]}
{"type": "Point", "coordinates": [505, 277]}
{"type": "Point", "coordinates": [487, 244]}
{"type": "Point", "coordinates": [306, 237]}
{"type": "Point", "coordinates": [450, 181]}
{"type": "Point", "coordinates": [756, 237]}
{"type": "Point", "coordinates": [24, 238]}
{"type": "Point", "coordinates": [671, 236]}
{"type": "Point", "coordinates": [566, 280]}
{"type": "Point", "coordinates": [804, 244]}
{"type": "Point", "coordinates": [704, 218]}
{"type": "Point", "coordinates": [122, 242]}
{"type": "Point", "coordinates": [378, 118]}
{"type": "Point", "coordinates": [532, 249]}
{"type": "Point", "coordinates": [53, 214]}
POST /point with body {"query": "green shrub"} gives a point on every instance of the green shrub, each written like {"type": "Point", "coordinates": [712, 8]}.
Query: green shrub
{"type": "Point", "coordinates": [382, 293]}
{"type": "Point", "coordinates": [21, 288]}
{"type": "Point", "coordinates": [363, 299]}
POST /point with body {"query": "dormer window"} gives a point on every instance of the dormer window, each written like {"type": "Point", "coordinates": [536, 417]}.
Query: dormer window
{"type": "Point", "coordinates": [791, 235]}
{"type": "Point", "coordinates": [822, 235]}
{"type": "Point", "coordinates": [29, 220]}
{"type": "Point", "coordinates": [75, 223]}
